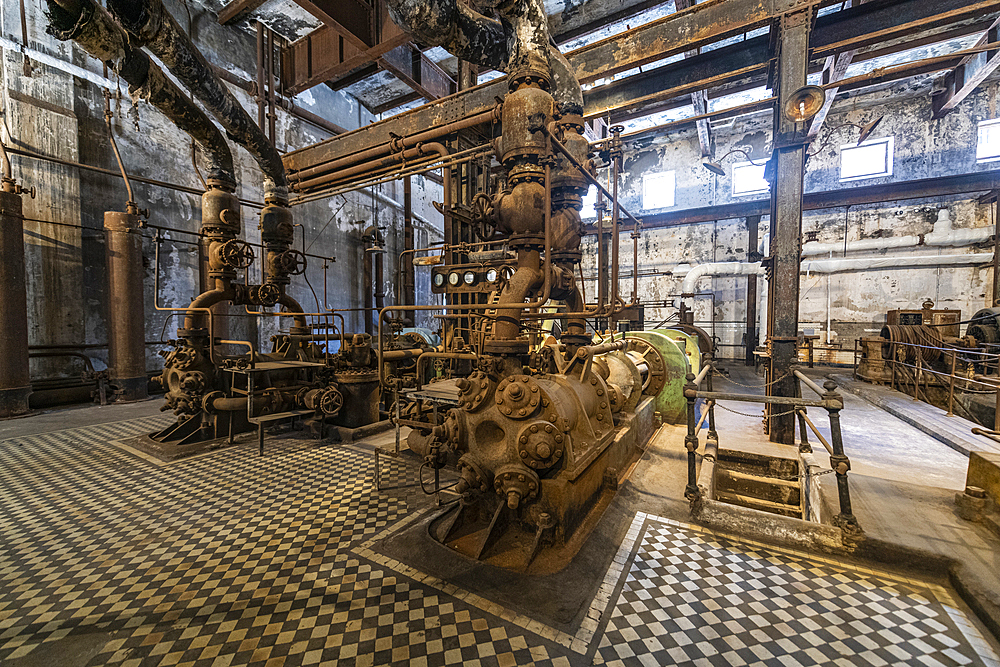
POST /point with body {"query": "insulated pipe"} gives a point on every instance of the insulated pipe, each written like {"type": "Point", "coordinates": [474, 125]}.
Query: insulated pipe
{"type": "Point", "coordinates": [126, 316]}
{"type": "Point", "coordinates": [942, 235]}
{"type": "Point", "coordinates": [460, 30]}
{"type": "Point", "coordinates": [90, 26]}
{"type": "Point", "coordinates": [691, 276]}
{"type": "Point", "coordinates": [149, 24]}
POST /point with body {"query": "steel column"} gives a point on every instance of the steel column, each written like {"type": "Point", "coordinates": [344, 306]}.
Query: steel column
{"type": "Point", "coordinates": [126, 319]}
{"type": "Point", "coordinates": [753, 222]}
{"type": "Point", "coordinates": [786, 219]}
{"type": "Point", "coordinates": [14, 380]}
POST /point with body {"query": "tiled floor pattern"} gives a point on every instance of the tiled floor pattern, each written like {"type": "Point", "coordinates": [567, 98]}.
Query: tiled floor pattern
{"type": "Point", "coordinates": [693, 597]}
{"type": "Point", "coordinates": [235, 559]}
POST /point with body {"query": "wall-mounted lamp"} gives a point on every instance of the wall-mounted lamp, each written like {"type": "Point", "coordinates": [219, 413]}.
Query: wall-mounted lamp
{"type": "Point", "coordinates": [716, 167]}
{"type": "Point", "coordinates": [804, 103]}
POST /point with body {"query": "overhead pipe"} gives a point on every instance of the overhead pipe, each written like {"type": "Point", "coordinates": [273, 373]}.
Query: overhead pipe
{"type": "Point", "coordinates": [89, 25]}
{"type": "Point", "coordinates": [149, 24]}
{"type": "Point", "coordinates": [729, 269]}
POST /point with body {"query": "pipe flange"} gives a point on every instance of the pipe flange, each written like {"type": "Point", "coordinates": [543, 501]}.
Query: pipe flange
{"type": "Point", "coordinates": [209, 399]}
{"type": "Point", "coordinates": [474, 390]}
{"type": "Point", "coordinates": [541, 444]}
{"type": "Point", "coordinates": [518, 396]}
{"type": "Point", "coordinates": [517, 483]}
{"type": "Point", "coordinates": [474, 478]}
{"type": "Point", "coordinates": [181, 358]}
{"type": "Point", "coordinates": [193, 382]}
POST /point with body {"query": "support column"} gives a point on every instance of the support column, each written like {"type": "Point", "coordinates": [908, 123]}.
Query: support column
{"type": "Point", "coordinates": [753, 222]}
{"type": "Point", "coordinates": [15, 385]}
{"type": "Point", "coordinates": [126, 316]}
{"type": "Point", "coordinates": [996, 250]}
{"type": "Point", "coordinates": [788, 162]}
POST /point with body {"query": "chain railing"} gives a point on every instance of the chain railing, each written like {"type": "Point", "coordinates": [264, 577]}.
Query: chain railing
{"type": "Point", "coordinates": [829, 399]}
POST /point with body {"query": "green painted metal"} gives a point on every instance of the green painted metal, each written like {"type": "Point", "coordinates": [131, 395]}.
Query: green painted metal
{"type": "Point", "coordinates": [680, 355]}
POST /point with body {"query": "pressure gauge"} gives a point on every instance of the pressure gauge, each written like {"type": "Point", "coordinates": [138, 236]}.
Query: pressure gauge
{"type": "Point", "coordinates": [454, 278]}
{"type": "Point", "coordinates": [469, 277]}
{"type": "Point", "coordinates": [492, 275]}
{"type": "Point", "coordinates": [438, 279]}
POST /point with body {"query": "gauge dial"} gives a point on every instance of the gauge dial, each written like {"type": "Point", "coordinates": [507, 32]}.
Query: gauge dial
{"type": "Point", "coordinates": [492, 275]}
{"type": "Point", "coordinates": [454, 278]}
{"type": "Point", "coordinates": [438, 279]}
{"type": "Point", "coordinates": [469, 277]}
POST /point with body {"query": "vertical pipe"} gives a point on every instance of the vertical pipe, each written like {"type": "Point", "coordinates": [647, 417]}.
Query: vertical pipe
{"type": "Point", "coordinates": [269, 70]}
{"type": "Point", "coordinates": [409, 274]}
{"type": "Point", "coordinates": [786, 219]}
{"type": "Point", "coordinates": [126, 319]}
{"type": "Point", "coordinates": [260, 76]}
{"type": "Point", "coordinates": [753, 222]}
{"type": "Point", "coordinates": [691, 440]}
{"type": "Point", "coordinates": [15, 385]}
{"type": "Point", "coordinates": [996, 251]}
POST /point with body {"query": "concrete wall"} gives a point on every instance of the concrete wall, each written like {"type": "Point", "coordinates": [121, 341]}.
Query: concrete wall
{"type": "Point", "coordinates": [858, 301]}
{"type": "Point", "coordinates": [59, 111]}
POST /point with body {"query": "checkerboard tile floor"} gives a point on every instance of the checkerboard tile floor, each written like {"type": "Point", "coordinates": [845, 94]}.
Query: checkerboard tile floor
{"type": "Point", "coordinates": [690, 597]}
{"type": "Point", "coordinates": [225, 559]}
{"type": "Point", "coordinates": [234, 559]}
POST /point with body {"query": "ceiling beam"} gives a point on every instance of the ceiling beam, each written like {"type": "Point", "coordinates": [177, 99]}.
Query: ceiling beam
{"type": "Point", "coordinates": [967, 75]}
{"type": "Point", "coordinates": [960, 184]}
{"type": "Point", "coordinates": [834, 69]}
{"type": "Point", "coordinates": [699, 98]}
{"type": "Point", "coordinates": [675, 34]}
{"type": "Point", "coordinates": [237, 9]}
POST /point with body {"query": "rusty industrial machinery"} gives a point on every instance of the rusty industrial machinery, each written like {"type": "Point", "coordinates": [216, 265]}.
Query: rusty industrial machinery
{"type": "Point", "coordinates": [214, 390]}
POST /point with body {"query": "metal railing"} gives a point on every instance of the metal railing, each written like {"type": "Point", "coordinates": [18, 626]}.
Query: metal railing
{"type": "Point", "coordinates": [829, 399]}
{"type": "Point", "coordinates": [970, 370]}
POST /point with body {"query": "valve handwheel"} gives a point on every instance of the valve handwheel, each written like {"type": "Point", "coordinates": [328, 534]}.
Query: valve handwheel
{"type": "Point", "coordinates": [483, 220]}
{"type": "Point", "coordinates": [292, 262]}
{"type": "Point", "coordinates": [236, 254]}
{"type": "Point", "coordinates": [331, 402]}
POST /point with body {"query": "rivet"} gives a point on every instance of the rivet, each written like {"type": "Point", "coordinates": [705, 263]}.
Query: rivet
{"type": "Point", "coordinates": [534, 390]}
{"type": "Point", "coordinates": [600, 392]}
{"type": "Point", "coordinates": [548, 428]}
{"type": "Point", "coordinates": [558, 453]}
{"type": "Point", "coordinates": [524, 454]}
{"type": "Point", "coordinates": [534, 402]}
{"type": "Point", "coordinates": [521, 412]}
{"type": "Point", "coordinates": [507, 411]}
{"type": "Point", "coordinates": [524, 439]}
{"type": "Point", "coordinates": [559, 438]}
{"type": "Point", "coordinates": [534, 428]}
{"type": "Point", "coordinates": [593, 380]}
{"type": "Point", "coordinates": [545, 402]}
{"type": "Point", "coordinates": [520, 478]}
{"type": "Point", "coordinates": [499, 400]}
{"type": "Point", "coordinates": [600, 418]}
{"type": "Point", "coordinates": [603, 405]}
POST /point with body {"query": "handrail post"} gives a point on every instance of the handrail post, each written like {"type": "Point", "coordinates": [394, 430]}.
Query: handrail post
{"type": "Point", "coordinates": [691, 441]}
{"type": "Point", "coordinates": [951, 385]}
{"type": "Point", "coordinates": [917, 375]}
{"type": "Point", "coordinates": [713, 434]}
{"type": "Point", "coordinates": [804, 446]}
{"type": "Point", "coordinates": [840, 463]}
{"type": "Point", "coordinates": [892, 362]}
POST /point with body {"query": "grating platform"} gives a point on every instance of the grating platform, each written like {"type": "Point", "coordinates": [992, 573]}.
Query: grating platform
{"type": "Point", "coordinates": [234, 559]}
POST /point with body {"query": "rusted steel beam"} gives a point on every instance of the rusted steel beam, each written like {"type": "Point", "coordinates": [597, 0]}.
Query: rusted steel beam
{"type": "Point", "coordinates": [699, 98]}
{"type": "Point", "coordinates": [348, 16]}
{"type": "Point", "coordinates": [848, 27]}
{"type": "Point", "coordinates": [944, 186]}
{"type": "Point", "coordinates": [237, 9]}
{"type": "Point", "coordinates": [967, 75]}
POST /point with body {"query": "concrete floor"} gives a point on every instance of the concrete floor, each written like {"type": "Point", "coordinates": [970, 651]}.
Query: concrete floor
{"type": "Point", "coordinates": [293, 558]}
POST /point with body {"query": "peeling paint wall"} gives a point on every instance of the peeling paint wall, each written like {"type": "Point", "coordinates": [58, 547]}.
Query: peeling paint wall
{"type": "Point", "coordinates": [857, 301]}
{"type": "Point", "coordinates": [57, 114]}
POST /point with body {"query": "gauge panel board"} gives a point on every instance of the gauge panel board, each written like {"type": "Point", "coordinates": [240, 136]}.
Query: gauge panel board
{"type": "Point", "coordinates": [466, 279]}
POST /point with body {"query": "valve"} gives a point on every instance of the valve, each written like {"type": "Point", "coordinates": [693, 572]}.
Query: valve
{"type": "Point", "coordinates": [290, 262]}
{"type": "Point", "coordinates": [236, 254]}
{"type": "Point", "coordinates": [267, 294]}
{"type": "Point", "coordinates": [18, 189]}
{"type": "Point", "coordinates": [331, 401]}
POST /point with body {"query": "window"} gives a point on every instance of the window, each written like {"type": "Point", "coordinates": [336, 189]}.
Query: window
{"type": "Point", "coordinates": [658, 190]}
{"type": "Point", "coordinates": [871, 159]}
{"type": "Point", "coordinates": [589, 204]}
{"type": "Point", "coordinates": [748, 179]}
{"type": "Point", "coordinates": [988, 148]}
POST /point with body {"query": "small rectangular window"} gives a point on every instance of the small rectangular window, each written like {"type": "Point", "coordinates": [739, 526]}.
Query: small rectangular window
{"type": "Point", "coordinates": [589, 204]}
{"type": "Point", "coordinates": [871, 159]}
{"type": "Point", "coordinates": [748, 179]}
{"type": "Point", "coordinates": [988, 147]}
{"type": "Point", "coordinates": [658, 190]}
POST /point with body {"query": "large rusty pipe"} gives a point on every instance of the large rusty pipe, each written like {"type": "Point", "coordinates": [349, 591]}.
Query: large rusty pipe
{"type": "Point", "coordinates": [15, 385]}
{"type": "Point", "coordinates": [90, 26]}
{"type": "Point", "coordinates": [456, 27]}
{"type": "Point", "coordinates": [149, 24]}
{"type": "Point", "coordinates": [125, 299]}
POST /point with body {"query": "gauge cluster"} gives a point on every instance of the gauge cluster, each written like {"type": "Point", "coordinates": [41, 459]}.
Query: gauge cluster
{"type": "Point", "coordinates": [466, 278]}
